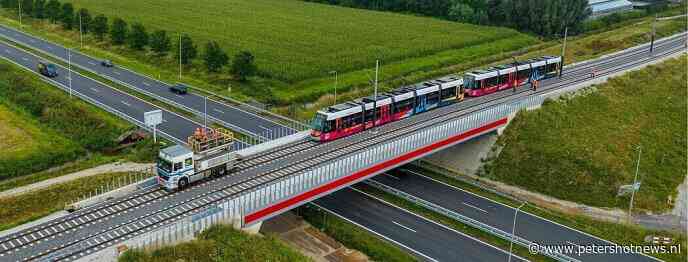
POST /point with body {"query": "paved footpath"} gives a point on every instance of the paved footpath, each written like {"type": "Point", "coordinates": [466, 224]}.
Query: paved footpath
{"type": "Point", "coordinates": [107, 168]}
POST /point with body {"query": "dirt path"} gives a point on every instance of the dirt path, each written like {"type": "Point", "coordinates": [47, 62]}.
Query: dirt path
{"type": "Point", "coordinates": [107, 168]}
{"type": "Point", "coordinates": [309, 241]}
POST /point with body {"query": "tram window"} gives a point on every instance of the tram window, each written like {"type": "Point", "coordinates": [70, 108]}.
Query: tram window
{"type": "Point", "coordinates": [177, 166]}
{"type": "Point", "coordinates": [402, 105]}
{"type": "Point", "coordinates": [551, 68]}
{"type": "Point", "coordinates": [188, 162]}
{"type": "Point", "coordinates": [524, 73]}
{"type": "Point", "coordinates": [492, 81]}
{"type": "Point", "coordinates": [433, 97]}
{"type": "Point", "coordinates": [449, 92]}
{"type": "Point", "coordinates": [503, 79]}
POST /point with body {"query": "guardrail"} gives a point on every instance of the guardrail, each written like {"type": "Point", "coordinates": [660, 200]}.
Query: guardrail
{"type": "Point", "coordinates": [466, 220]}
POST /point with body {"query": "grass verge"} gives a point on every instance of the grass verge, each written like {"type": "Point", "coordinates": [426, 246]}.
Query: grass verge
{"type": "Point", "coordinates": [353, 236]}
{"type": "Point", "coordinates": [583, 149]}
{"type": "Point", "coordinates": [220, 243]}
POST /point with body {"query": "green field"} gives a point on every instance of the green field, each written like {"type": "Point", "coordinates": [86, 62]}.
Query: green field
{"type": "Point", "coordinates": [295, 40]}
{"type": "Point", "coordinates": [26, 146]}
{"type": "Point", "coordinates": [221, 243]}
{"type": "Point", "coordinates": [584, 148]}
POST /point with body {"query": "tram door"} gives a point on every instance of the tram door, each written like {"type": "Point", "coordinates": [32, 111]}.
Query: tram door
{"type": "Point", "coordinates": [384, 114]}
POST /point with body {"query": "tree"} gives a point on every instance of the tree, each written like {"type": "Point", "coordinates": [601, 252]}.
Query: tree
{"type": "Point", "coordinates": [52, 10]}
{"type": "Point", "coordinates": [215, 58]}
{"type": "Point", "coordinates": [83, 17]}
{"type": "Point", "coordinates": [67, 16]}
{"type": "Point", "coordinates": [27, 7]}
{"type": "Point", "coordinates": [118, 31]}
{"type": "Point", "coordinates": [99, 26]}
{"type": "Point", "coordinates": [188, 50]}
{"type": "Point", "coordinates": [462, 13]}
{"type": "Point", "coordinates": [138, 37]}
{"type": "Point", "coordinates": [243, 65]}
{"type": "Point", "coordinates": [39, 9]}
{"type": "Point", "coordinates": [160, 42]}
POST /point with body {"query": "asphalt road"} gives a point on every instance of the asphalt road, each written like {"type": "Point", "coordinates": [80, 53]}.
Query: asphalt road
{"type": "Point", "coordinates": [528, 226]}
{"type": "Point", "coordinates": [231, 116]}
{"type": "Point", "coordinates": [174, 127]}
{"type": "Point", "coordinates": [422, 237]}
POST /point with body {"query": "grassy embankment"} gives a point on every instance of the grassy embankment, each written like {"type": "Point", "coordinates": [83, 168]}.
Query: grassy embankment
{"type": "Point", "coordinates": [88, 129]}
{"type": "Point", "coordinates": [583, 149]}
{"type": "Point", "coordinates": [33, 205]}
{"type": "Point", "coordinates": [220, 243]}
{"type": "Point", "coordinates": [353, 236]}
{"type": "Point", "coordinates": [622, 234]}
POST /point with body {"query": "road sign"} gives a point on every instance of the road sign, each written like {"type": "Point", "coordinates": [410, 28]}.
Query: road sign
{"type": "Point", "coordinates": [152, 119]}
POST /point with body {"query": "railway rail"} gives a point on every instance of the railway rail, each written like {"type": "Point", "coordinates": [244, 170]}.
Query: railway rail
{"type": "Point", "coordinates": [260, 169]}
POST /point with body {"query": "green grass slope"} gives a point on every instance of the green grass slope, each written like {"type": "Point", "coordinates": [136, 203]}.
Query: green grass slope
{"type": "Point", "coordinates": [584, 148]}
{"type": "Point", "coordinates": [295, 40]}
{"type": "Point", "coordinates": [221, 243]}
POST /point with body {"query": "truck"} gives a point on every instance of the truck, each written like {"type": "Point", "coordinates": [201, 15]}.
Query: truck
{"type": "Point", "coordinates": [210, 155]}
{"type": "Point", "coordinates": [47, 69]}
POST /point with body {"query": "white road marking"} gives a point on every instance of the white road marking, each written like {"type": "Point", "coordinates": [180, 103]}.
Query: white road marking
{"type": "Point", "coordinates": [92, 63]}
{"type": "Point", "coordinates": [25, 59]}
{"type": "Point", "coordinates": [50, 47]}
{"type": "Point", "coordinates": [391, 176]}
{"type": "Point", "coordinates": [117, 73]}
{"type": "Point", "coordinates": [218, 110]}
{"type": "Point", "coordinates": [479, 209]}
{"type": "Point", "coordinates": [32, 41]}
{"type": "Point", "coordinates": [405, 227]}
{"type": "Point", "coordinates": [125, 103]}
{"type": "Point", "coordinates": [94, 90]}
{"type": "Point", "coordinates": [7, 51]}
{"type": "Point", "coordinates": [178, 96]}
{"type": "Point", "coordinates": [146, 84]}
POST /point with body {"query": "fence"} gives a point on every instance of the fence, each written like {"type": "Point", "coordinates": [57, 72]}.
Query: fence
{"type": "Point", "coordinates": [132, 177]}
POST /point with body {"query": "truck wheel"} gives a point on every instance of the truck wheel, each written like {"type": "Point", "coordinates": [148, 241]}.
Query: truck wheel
{"type": "Point", "coordinates": [183, 183]}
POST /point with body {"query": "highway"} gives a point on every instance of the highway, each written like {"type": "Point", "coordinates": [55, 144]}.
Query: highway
{"type": "Point", "coordinates": [90, 229]}
{"type": "Point", "coordinates": [173, 127]}
{"type": "Point", "coordinates": [231, 116]}
{"type": "Point", "coordinates": [424, 238]}
{"type": "Point", "coordinates": [495, 214]}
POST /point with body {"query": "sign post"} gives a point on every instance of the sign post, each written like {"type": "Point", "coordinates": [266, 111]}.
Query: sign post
{"type": "Point", "coordinates": [152, 119]}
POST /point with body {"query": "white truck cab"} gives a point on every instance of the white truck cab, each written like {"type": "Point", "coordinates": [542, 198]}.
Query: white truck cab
{"type": "Point", "coordinates": [211, 155]}
{"type": "Point", "coordinates": [174, 163]}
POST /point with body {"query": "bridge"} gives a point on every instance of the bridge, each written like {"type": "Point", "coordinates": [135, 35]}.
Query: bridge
{"type": "Point", "coordinates": [277, 178]}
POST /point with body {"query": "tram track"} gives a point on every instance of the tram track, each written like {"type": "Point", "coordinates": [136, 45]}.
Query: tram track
{"type": "Point", "coordinates": [335, 150]}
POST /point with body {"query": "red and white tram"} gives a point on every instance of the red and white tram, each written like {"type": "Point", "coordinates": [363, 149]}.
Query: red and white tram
{"type": "Point", "coordinates": [507, 76]}
{"type": "Point", "coordinates": [355, 116]}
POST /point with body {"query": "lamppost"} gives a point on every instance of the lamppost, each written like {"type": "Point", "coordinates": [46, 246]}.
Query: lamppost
{"type": "Point", "coordinates": [513, 231]}
{"type": "Point", "coordinates": [377, 69]}
{"type": "Point", "coordinates": [633, 187]}
{"type": "Point", "coordinates": [335, 85]}
{"type": "Point", "coordinates": [563, 51]}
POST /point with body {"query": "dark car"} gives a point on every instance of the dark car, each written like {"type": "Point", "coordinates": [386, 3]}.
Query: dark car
{"type": "Point", "coordinates": [47, 69]}
{"type": "Point", "coordinates": [106, 63]}
{"type": "Point", "coordinates": [179, 88]}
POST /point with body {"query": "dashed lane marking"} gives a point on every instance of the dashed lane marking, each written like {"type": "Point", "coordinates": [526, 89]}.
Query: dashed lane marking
{"type": "Point", "coordinates": [405, 227]}
{"type": "Point", "coordinates": [475, 207]}
{"type": "Point", "coordinates": [125, 103]}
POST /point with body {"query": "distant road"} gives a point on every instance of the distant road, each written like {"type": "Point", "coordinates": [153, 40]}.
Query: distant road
{"type": "Point", "coordinates": [236, 119]}
{"type": "Point", "coordinates": [422, 237]}
{"type": "Point", "coordinates": [495, 214]}
{"type": "Point", "coordinates": [174, 127]}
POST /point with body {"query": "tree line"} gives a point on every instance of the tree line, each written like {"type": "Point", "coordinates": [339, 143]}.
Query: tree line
{"type": "Point", "coordinates": [542, 17]}
{"type": "Point", "coordinates": [135, 36]}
